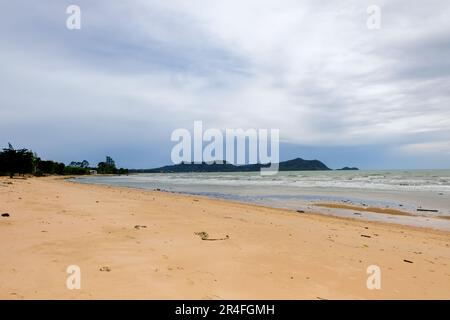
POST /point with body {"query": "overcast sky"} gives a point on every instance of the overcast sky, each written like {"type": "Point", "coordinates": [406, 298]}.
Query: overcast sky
{"type": "Point", "coordinates": [137, 70]}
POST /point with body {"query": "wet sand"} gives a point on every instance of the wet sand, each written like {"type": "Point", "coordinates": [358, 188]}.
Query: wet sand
{"type": "Point", "coordinates": [136, 244]}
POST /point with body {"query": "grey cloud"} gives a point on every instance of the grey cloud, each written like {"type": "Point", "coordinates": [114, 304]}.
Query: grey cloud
{"type": "Point", "coordinates": [138, 70]}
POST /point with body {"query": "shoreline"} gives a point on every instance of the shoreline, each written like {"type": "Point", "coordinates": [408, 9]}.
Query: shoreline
{"type": "Point", "coordinates": [152, 244]}
{"type": "Point", "coordinates": [290, 211]}
{"type": "Point", "coordinates": [341, 209]}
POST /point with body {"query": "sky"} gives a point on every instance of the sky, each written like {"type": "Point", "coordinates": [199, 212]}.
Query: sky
{"type": "Point", "coordinates": [337, 90]}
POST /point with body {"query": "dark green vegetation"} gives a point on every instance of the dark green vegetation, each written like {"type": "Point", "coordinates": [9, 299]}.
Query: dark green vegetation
{"type": "Point", "coordinates": [24, 161]}
{"type": "Point", "coordinates": [105, 168]}
{"type": "Point", "coordinates": [13, 161]}
{"type": "Point", "coordinates": [290, 165]}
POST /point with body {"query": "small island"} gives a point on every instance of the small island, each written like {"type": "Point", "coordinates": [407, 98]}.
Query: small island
{"type": "Point", "coordinates": [348, 168]}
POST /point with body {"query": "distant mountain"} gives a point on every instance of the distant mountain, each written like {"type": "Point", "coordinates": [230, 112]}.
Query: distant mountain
{"type": "Point", "coordinates": [297, 164]}
{"type": "Point", "coordinates": [348, 168]}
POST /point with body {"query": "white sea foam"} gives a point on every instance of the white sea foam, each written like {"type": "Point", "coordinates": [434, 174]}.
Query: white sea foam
{"type": "Point", "coordinates": [424, 180]}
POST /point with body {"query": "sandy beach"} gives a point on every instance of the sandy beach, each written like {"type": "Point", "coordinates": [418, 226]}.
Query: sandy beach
{"type": "Point", "coordinates": [136, 244]}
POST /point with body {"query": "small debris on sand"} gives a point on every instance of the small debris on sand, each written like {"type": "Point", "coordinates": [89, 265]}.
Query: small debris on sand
{"type": "Point", "coordinates": [300, 211]}
{"type": "Point", "coordinates": [205, 236]}
{"type": "Point", "coordinates": [106, 268]}
{"type": "Point", "coordinates": [5, 215]}
{"type": "Point", "coordinates": [427, 210]}
{"type": "Point", "coordinates": [407, 261]}
{"type": "Point", "coordinates": [365, 236]}
{"type": "Point", "coordinates": [137, 227]}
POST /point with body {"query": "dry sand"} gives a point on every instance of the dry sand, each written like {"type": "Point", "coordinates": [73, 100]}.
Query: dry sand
{"type": "Point", "coordinates": [135, 244]}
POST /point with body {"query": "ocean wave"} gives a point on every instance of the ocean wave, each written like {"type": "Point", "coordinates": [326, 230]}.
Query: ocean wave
{"type": "Point", "coordinates": [394, 180]}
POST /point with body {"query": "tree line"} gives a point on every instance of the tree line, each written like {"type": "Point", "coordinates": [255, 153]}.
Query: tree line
{"type": "Point", "coordinates": [23, 161]}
